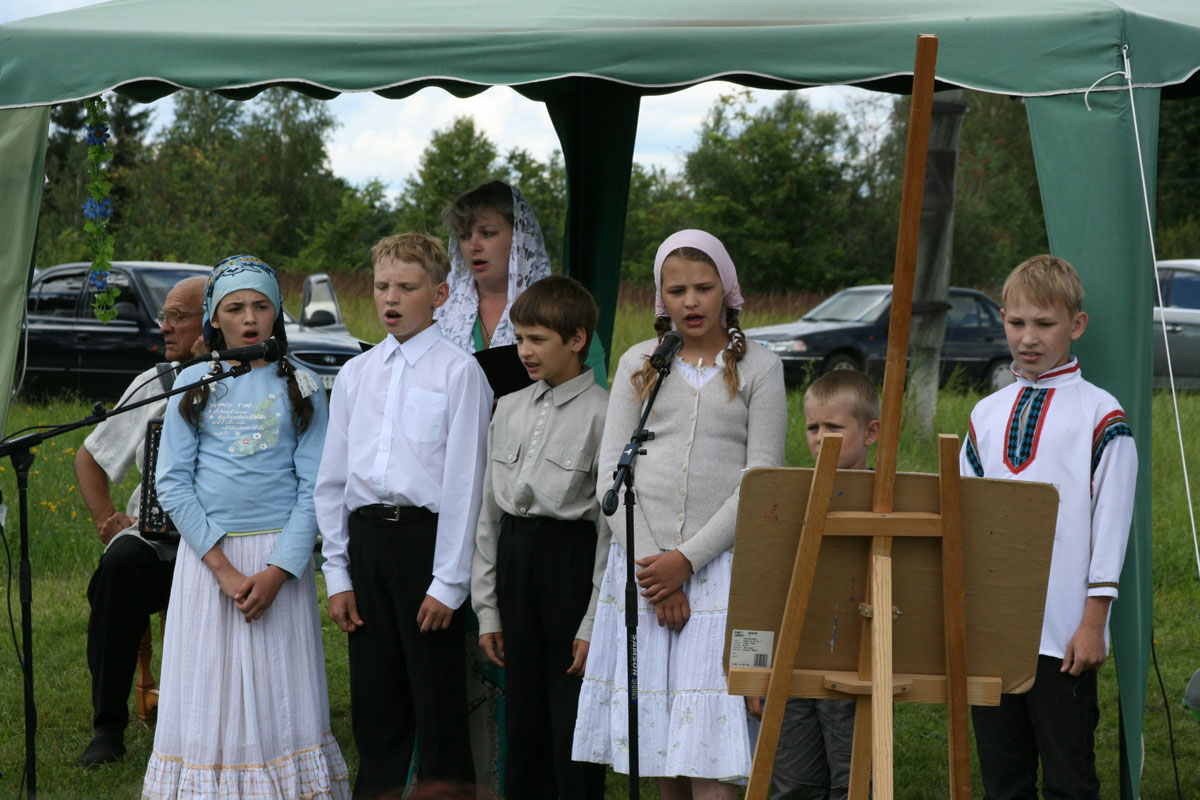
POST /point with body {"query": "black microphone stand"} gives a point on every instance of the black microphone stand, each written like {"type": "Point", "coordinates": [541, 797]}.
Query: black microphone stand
{"type": "Point", "coordinates": [20, 452]}
{"type": "Point", "coordinates": [624, 475]}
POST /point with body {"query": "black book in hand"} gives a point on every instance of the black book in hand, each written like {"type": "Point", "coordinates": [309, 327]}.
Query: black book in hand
{"type": "Point", "coordinates": [504, 370]}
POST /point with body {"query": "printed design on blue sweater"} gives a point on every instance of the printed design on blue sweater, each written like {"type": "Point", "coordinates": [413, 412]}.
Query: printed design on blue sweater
{"type": "Point", "coordinates": [247, 428]}
{"type": "Point", "coordinates": [1025, 427]}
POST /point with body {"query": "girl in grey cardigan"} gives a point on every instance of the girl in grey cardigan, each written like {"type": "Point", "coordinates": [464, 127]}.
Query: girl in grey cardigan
{"type": "Point", "coordinates": [721, 410]}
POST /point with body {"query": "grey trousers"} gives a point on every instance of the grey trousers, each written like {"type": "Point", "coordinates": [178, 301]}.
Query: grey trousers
{"type": "Point", "coordinates": [815, 743]}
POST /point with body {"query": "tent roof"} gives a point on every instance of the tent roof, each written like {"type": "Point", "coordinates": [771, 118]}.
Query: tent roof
{"type": "Point", "coordinates": [149, 48]}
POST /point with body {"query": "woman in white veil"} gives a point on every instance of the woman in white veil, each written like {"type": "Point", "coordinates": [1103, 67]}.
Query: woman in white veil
{"type": "Point", "coordinates": [496, 252]}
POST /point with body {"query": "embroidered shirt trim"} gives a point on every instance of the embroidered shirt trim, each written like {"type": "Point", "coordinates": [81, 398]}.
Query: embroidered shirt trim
{"type": "Point", "coordinates": [1025, 421]}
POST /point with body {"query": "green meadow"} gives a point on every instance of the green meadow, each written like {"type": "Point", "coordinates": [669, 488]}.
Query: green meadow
{"type": "Point", "coordinates": [64, 552]}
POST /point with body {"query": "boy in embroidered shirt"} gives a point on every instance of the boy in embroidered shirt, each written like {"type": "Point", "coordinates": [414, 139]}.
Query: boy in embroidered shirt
{"type": "Point", "coordinates": [1053, 426]}
{"type": "Point", "coordinates": [817, 735]}
{"type": "Point", "coordinates": [397, 500]}
{"type": "Point", "coordinates": [541, 545]}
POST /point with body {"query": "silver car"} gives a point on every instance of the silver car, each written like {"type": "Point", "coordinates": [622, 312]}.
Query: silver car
{"type": "Point", "coordinates": [1180, 280]}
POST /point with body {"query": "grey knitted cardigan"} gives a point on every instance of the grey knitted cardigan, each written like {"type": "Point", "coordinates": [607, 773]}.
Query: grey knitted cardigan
{"type": "Point", "coordinates": [687, 482]}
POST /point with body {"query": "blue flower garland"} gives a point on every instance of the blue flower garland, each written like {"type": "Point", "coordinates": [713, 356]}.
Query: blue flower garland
{"type": "Point", "coordinates": [98, 210]}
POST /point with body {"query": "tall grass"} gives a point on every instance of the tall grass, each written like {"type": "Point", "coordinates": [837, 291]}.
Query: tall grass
{"type": "Point", "coordinates": [64, 551]}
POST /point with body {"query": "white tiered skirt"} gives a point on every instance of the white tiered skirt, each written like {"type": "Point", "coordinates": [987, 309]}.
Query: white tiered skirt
{"type": "Point", "coordinates": [688, 723]}
{"type": "Point", "coordinates": [243, 710]}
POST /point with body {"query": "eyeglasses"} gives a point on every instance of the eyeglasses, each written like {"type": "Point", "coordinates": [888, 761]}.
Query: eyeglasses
{"type": "Point", "coordinates": [174, 317]}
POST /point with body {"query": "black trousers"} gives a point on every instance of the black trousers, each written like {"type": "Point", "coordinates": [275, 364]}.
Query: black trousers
{"type": "Point", "coordinates": [1056, 721]}
{"type": "Point", "coordinates": [405, 686]}
{"type": "Point", "coordinates": [543, 587]}
{"type": "Point", "coordinates": [130, 583]}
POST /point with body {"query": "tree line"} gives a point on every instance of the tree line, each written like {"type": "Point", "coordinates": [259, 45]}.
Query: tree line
{"type": "Point", "coordinates": [805, 199]}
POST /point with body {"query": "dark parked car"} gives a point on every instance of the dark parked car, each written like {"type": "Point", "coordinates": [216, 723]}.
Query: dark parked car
{"type": "Point", "coordinates": [1180, 281]}
{"type": "Point", "coordinates": [849, 331]}
{"type": "Point", "coordinates": [69, 349]}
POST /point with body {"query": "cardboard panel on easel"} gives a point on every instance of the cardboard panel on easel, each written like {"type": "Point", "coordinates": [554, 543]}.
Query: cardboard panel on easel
{"type": "Point", "coordinates": [1008, 533]}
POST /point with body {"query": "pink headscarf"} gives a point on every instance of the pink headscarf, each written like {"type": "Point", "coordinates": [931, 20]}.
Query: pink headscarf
{"type": "Point", "coordinates": [710, 246]}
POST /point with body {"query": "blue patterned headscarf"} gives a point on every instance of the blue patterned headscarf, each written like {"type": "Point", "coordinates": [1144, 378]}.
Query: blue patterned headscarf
{"type": "Point", "coordinates": [233, 274]}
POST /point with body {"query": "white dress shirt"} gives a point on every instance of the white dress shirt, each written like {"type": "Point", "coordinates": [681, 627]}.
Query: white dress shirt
{"type": "Point", "coordinates": [407, 426]}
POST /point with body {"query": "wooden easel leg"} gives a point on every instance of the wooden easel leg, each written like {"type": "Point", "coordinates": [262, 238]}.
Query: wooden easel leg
{"type": "Point", "coordinates": [955, 618]}
{"type": "Point", "coordinates": [792, 625]}
{"type": "Point", "coordinates": [881, 666]}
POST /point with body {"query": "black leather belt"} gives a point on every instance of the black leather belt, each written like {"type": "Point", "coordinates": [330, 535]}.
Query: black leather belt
{"type": "Point", "coordinates": [390, 513]}
{"type": "Point", "coordinates": [537, 524]}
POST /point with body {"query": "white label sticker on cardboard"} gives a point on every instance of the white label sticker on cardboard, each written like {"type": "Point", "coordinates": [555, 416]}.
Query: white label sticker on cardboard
{"type": "Point", "coordinates": [751, 648]}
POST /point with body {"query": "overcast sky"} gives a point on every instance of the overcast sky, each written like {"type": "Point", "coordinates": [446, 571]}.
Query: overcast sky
{"type": "Point", "coordinates": [383, 139]}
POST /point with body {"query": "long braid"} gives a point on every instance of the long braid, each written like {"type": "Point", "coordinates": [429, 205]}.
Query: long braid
{"type": "Point", "coordinates": [736, 351]}
{"type": "Point", "coordinates": [643, 379]}
{"type": "Point", "coordinates": [302, 408]}
{"type": "Point", "coordinates": [193, 402]}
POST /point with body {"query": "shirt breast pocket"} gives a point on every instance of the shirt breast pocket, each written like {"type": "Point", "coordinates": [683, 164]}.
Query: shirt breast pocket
{"type": "Point", "coordinates": [424, 418]}
{"type": "Point", "coordinates": [567, 470]}
{"type": "Point", "coordinates": [505, 457]}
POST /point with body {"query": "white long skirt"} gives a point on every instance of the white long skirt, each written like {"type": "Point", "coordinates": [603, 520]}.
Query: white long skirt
{"type": "Point", "coordinates": [243, 708]}
{"type": "Point", "coordinates": [688, 723]}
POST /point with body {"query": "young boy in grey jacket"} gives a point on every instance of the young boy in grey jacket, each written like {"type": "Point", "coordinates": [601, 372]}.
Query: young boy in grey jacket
{"type": "Point", "coordinates": [541, 544]}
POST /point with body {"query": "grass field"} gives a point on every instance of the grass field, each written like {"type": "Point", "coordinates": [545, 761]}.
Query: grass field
{"type": "Point", "coordinates": [64, 552]}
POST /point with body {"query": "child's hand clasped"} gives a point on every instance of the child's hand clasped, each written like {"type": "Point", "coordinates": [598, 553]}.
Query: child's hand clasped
{"type": "Point", "coordinates": [662, 574]}
{"type": "Point", "coordinates": [674, 611]}
{"type": "Point", "coordinates": [257, 593]}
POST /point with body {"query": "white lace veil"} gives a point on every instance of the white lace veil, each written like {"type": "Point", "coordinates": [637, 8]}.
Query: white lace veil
{"type": "Point", "coordinates": [527, 262]}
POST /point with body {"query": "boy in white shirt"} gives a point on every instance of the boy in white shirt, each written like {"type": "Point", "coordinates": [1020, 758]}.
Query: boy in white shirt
{"type": "Point", "coordinates": [541, 545]}
{"type": "Point", "coordinates": [397, 499]}
{"type": "Point", "coordinates": [1053, 426]}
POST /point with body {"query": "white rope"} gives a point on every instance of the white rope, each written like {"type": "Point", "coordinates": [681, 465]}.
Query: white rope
{"type": "Point", "coordinates": [1187, 485]}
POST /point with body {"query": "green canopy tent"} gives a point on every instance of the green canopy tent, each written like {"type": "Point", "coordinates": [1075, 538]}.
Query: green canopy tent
{"type": "Point", "coordinates": [591, 63]}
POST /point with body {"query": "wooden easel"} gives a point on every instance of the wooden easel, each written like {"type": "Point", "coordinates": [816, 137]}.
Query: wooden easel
{"type": "Point", "coordinates": [874, 685]}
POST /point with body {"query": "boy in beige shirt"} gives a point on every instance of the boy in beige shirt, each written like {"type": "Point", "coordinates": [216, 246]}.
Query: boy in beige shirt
{"type": "Point", "coordinates": [541, 545]}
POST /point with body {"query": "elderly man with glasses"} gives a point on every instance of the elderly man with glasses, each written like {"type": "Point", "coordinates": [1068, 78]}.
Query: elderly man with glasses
{"type": "Point", "coordinates": [133, 579]}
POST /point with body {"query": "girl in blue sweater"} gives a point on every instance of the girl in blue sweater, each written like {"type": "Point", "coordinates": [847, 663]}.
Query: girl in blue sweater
{"type": "Point", "coordinates": [243, 709]}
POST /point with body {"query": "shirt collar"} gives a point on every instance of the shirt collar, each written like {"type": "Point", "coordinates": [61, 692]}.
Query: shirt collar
{"type": "Point", "coordinates": [567, 391]}
{"type": "Point", "coordinates": [414, 348]}
{"type": "Point", "coordinates": [1052, 378]}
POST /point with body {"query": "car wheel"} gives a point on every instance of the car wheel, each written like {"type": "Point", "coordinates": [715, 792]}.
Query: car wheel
{"type": "Point", "coordinates": [840, 361]}
{"type": "Point", "coordinates": [998, 374]}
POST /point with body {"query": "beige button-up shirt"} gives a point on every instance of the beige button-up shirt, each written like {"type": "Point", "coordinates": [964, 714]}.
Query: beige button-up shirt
{"type": "Point", "coordinates": [543, 445]}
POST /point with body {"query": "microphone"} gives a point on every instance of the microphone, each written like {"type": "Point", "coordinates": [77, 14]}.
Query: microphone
{"type": "Point", "coordinates": [270, 350]}
{"type": "Point", "coordinates": [671, 344]}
